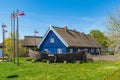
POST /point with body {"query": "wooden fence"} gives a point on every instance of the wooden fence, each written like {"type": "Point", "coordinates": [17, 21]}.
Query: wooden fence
{"type": "Point", "coordinates": [106, 57]}
{"type": "Point", "coordinates": [35, 54]}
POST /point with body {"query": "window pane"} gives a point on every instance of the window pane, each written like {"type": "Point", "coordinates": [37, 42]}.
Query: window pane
{"type": "Point", "coordinates": [45, 50]}
{"type": "Point", "coordinates": [52, 40]}
{"type": "Point", "coordinates": [59, 51]}
{"type": "Point", "coordinates": [71, 50]}
{"type": "Point", "coordinates": [79, 50]}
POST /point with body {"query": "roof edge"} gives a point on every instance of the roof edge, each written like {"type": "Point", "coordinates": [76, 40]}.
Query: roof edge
{"type": "Point", "coordinates": [34, 36]}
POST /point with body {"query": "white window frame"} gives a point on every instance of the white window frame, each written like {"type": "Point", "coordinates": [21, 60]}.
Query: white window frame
{"type": "Point", "coordinates": [59, 51]}
{"type": "Point", "coordinates": [52, 40]}
{"type": "Point", "coordinates": [79, 50]}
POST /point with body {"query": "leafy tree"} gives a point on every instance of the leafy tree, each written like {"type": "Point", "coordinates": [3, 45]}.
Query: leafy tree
{"type": "Point", "coordinates": [100, 37]}
{"type": "Point", "coordinates": [22, 50]}
{"type": "Point", "coordinates": [113, 30]}
{"type": "Point", "coordinates": [9, 47]}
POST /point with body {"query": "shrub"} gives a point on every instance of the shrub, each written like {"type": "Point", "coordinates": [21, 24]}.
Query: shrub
{"type": "Point", "coordinates": [28, 59]}
{"type": "Point", "coordinates": [111, 53]}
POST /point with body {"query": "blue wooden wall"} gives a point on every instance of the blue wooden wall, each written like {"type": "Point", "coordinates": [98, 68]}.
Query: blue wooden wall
{"type": "Point", "coordinates": [52, 47]}
{"type": "Point", "coordinates": [90, 50]}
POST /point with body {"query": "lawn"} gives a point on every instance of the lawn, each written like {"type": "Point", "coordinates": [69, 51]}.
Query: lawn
{"type": "Point", "coordinates": [97, 70]}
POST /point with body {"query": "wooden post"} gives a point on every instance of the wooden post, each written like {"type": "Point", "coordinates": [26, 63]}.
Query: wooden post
{"type": "Point", "coordinates": [78, 62]}
{"type": "Point", "coordinates": [48, 61]}
{"type": "Point", "coordinates": [14, 47]}
{"type": "Point", "coordinates": [17, 40]}
{"type": "Point", "coordinates": [65, 62]}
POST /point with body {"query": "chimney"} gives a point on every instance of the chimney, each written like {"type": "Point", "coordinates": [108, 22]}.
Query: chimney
{"type": "Point", "coordinates": [65, 28]}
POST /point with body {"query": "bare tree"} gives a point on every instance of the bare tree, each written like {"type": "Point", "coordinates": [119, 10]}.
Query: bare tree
{"type": "Point", "coordinates": [113, 30]}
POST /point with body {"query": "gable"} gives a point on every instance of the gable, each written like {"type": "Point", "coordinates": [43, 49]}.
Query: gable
{"type": "Point", "coordinates": [47, 41]}
{"type": "Point", "coordinates": [55, 32]}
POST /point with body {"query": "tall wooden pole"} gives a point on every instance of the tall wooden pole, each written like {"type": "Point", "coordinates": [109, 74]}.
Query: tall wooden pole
{"type": "Point", "coordinates": [4, 31]}
{"type": "Point", "coordinates": [17, 40]}
{"type": "Point", "coordinates": [14, 36]}
{"type": "Point", "coordinates": [11, 43]}
{"type": "Point", "coordinates": [3, 42]}
{"type": "Point", "coordinates": [34, 40]}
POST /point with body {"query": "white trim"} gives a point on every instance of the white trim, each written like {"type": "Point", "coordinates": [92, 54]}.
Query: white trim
{"type": "Point", "coordinates": [51, 28]}
{"type": "Point", "coordinates": [38, 46]}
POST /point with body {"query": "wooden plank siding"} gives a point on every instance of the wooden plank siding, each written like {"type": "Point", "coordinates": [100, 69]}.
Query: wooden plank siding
{"type": "Point", "coordinates": [52, 47]}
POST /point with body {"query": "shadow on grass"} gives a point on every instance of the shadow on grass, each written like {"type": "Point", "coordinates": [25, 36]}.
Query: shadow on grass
{"type": "Point", "coordinates": [12, 76]}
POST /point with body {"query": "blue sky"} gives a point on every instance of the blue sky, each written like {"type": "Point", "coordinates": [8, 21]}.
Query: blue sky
{"type": "Point", "coordinates": [82, 15]}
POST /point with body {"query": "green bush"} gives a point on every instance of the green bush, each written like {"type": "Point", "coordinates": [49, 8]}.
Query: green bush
{"type": "Point", "coordinates": [111, 53]}
{"type": "Point", "coordinates": [28, 59]}
{"type": "Point", "coordinates": [23, 52]}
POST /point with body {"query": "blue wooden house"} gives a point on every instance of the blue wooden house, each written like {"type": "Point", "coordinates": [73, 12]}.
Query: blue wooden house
{"type": "Point", "coordinates": [62, 40]}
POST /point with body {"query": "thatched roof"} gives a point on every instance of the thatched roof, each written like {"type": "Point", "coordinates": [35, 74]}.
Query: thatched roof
{"type": "Point", "coordinates": [31, 40]}
{"type": "Point", "coordinates": [76, 39]}
{"type": "Point", "coordinates": [28, 41]}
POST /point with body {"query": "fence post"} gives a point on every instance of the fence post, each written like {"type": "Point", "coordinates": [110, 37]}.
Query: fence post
{"type": "Point", "coordinates": [78, 62]}
{"type": "Point", "coordinates": [48, 61]}
{"type": "Point", "coordinates": [65, 62]}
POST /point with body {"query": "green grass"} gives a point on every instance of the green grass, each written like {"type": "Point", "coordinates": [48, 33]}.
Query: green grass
{"type": "Point", "coordinates": [98, 70]}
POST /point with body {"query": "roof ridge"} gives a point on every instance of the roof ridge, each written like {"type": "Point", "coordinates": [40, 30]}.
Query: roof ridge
{"type": "Point", "coordinates": [34, 36]}
{"type": "Point", "coordinates": [67, 30]}
{"type": "Point", "coordinates": [57, 27]}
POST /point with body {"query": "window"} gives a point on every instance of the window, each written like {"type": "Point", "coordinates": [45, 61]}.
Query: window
{"type": "Point", "coordinates": [92, 50]}
{"type": "Point", "coordinates": [97, 50]}
{"type": "Point", "coordinates": [71, 50]}
{"type": "Point", "coordinates": [52, 40]}
{"type": "Point", "coordinates": [59, 50]}
{"type": "Point", "coordinates": [45, 50]}
{"type": "Point", "coordinates": [79, 50]}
